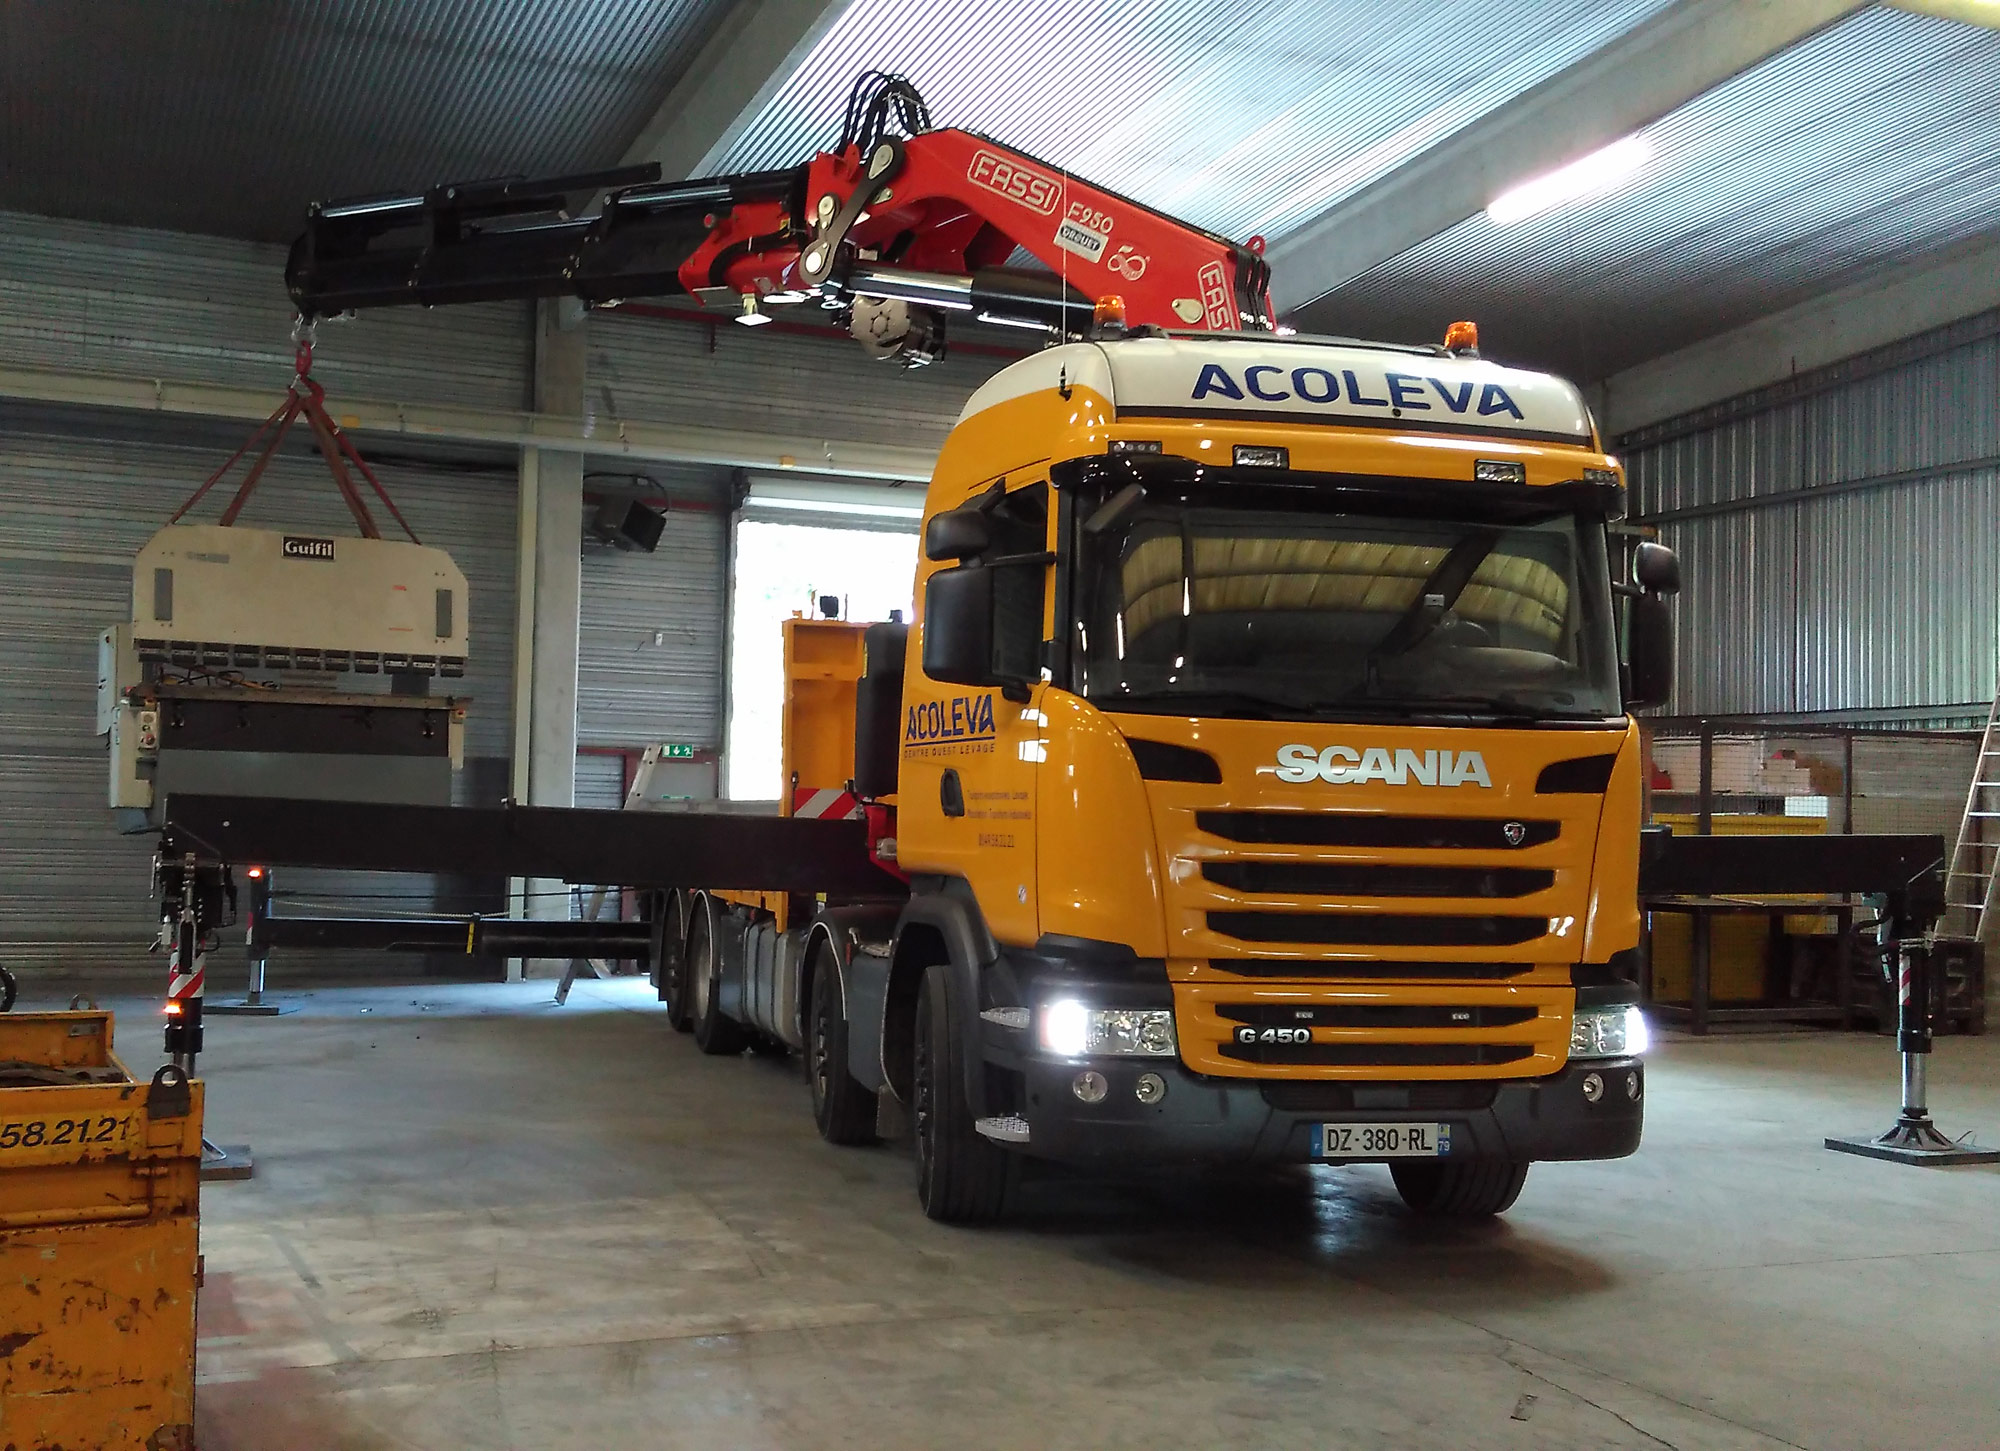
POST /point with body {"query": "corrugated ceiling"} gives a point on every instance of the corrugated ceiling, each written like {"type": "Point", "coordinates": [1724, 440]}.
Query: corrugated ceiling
{"type": "Point", "coordinates": [229, 118]}
{"type": "Point", "coordinates": [1872, 143]}
{"type": "Point", "coordinates": [1244, 119]}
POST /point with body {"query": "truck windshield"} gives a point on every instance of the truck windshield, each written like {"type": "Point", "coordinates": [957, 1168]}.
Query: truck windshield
{"type": "Point", "coordinates": [1291, 613]}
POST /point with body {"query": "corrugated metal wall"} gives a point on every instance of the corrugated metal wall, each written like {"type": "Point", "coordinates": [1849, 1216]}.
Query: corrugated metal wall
{"type": "Point", "coordinates": [74, 295]}
{"type": "Point", "coordinates": [650, 652]}
{"type": "Point", "coordinates": [1840, 534]}
{"type": "Point", "coordinates": [764, 380]}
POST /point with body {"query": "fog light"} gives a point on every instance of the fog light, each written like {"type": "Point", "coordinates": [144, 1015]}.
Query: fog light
{"type": "Point", "coordinates": [1593, 1087]}
{"type": "Point", "coordinates": [1150, 1088]}
{"type": "Point", "coordinates": [1090, 1086]}
{"type": "Point", "coordinates": [1632, 1086]}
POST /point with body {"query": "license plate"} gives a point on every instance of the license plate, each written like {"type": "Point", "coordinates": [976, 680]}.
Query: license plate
{"type": "Point", "coordinates": [1381, 1141]}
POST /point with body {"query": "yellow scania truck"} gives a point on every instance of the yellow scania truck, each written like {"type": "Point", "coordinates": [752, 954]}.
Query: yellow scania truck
{"type": "Point", "coordinates": [1255, 783]}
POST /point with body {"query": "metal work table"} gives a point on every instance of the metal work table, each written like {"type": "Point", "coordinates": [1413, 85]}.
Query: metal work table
{"type": "Point", "coordinates": [1698, 1012]}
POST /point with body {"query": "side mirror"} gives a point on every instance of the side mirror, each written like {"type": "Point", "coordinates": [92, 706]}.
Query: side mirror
{"type": "Point", "coordinates": [1656, 568]}
{"type": "Point", "coordinates": [958, 623]}
{"type": "Point", "coordinates": [983, 623]}
{"type": "Point", "coordinates": [957, 534]}
{"type": "Point", "coordinates": [1649, 670]}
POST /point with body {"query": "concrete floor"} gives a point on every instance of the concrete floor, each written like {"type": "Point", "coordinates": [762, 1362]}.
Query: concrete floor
{"type": "Point", "coordinates": [482, 1221]}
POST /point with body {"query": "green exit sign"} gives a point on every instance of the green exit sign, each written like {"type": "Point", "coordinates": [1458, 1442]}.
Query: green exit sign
{"type": "Point", "coordinates": [677, 751]}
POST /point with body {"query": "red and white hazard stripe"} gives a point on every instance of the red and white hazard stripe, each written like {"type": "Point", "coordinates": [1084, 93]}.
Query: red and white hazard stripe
{"type": "Point", "coordinates": [826, 804]}
{"type": "Point", "coordinates": [183, 984]}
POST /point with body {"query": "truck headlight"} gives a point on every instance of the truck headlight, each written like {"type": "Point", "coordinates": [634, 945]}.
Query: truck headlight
{"type": "Point", "coordinates": [1618, 1031]}
{"type": "Point", "coordinates": [1070, 1029]}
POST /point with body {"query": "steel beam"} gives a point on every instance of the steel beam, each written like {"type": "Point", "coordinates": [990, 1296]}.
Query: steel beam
{"type": "Point", "coordinates": [468, 936]}
{"type": "Point", "coordinates": [754, 50]}
{"type": "Point", "coordinates": [1915, 297]}
{"type": "Point", "coordinates": [599, 434]}
{"type": "Point", "coordinates": [1909, 868]}
{"type": "Point", "coordinates": [612, 848]}
{"type": "Point", "coordinates": [1689, 47]}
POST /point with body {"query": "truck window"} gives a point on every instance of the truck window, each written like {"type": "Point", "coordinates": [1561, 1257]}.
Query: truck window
{"type": "Point", "coordinates": [1327, 615]}
{"type": "Point", "coordinates": [1020, 526]}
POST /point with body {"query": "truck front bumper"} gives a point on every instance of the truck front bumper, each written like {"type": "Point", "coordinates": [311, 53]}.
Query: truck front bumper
{"type": "Point", "coordinates": [1588, 1110]}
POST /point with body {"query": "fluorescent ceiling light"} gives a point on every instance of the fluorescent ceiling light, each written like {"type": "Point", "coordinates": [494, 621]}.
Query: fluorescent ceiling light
{"type": "Point", "coordinates": [1972, 12]}
{"type": "Point", "coordinates": [840, 506]}
{"type": "Point", "coordinates": [1589, 175]}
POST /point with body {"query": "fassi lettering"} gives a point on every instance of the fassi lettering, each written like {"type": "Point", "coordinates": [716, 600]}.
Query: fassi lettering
{"type": "Point", "coordinates": [1270, 384]}
{"type": "Point", "coordinates": [1345, 766]}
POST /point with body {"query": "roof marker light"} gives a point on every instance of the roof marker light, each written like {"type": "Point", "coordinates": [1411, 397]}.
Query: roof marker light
{"type": "Point", "coordinates": [1600, 171]}
{"type": "Point", "coordinates": [1258, 456]}
{"type": "Point", "coordinates": [1499, 471]}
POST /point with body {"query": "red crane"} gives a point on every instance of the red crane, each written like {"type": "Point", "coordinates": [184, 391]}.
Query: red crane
{"type": "Point", "coordinates": [897, 227]}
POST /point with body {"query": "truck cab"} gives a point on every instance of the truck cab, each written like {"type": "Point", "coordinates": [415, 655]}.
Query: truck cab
{"type": "Point", "coordinates": [1262, 776]}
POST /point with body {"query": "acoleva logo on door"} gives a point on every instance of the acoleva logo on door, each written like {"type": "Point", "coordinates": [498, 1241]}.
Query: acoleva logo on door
{"type": "Point", "coordinates": [1346, 766]}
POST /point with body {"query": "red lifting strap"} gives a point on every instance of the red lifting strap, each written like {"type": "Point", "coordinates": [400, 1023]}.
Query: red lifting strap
{"type": "Point", "coordinates": [304, 399]}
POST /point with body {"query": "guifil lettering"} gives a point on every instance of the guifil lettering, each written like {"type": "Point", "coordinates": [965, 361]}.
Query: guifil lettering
{"type": "Point", "coordinates": [961, 718]}
{"type": "Point", "coordinates": [1345, 766]}
{"type": "Point", "coordinates": [1413, 392]}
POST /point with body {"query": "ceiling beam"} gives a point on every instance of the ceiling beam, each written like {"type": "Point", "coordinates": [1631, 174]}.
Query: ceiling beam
{"type": "Point", "coordinates": [754, 51]}
{"type": "Point", "coordinates": [600, 435]}
{"type": "Point", "coordinates": [1685, 49]}
{"type": "Point", "coordinates": [1909, 299]}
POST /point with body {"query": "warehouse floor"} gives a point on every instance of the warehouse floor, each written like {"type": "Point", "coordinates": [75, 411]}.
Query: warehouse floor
{"type": "Point", "coordinates": [482, 1221]}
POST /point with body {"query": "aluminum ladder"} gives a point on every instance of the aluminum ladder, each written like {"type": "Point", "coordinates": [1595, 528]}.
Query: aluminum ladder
{"type": "Point", "coordinates": [1975, 861]}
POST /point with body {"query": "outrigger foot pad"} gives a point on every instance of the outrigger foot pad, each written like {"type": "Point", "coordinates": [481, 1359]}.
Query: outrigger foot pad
{"type": "Point", "coordinates": [1916, 1140]}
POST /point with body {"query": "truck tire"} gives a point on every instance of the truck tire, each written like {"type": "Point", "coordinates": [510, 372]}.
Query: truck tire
{"type": "Point", "coordinates": [713, 1033]}
{"type": "Point", "coordinates": [1465, 1189]}
{"type": "Point", "coordinates": [843, 1109]}
{"type": "Point", "coordinates": [673, 968]}
{"type": "Point", "coordinates": [7, 990]}
{"type": "Point", "coordinates": [961, 1177]}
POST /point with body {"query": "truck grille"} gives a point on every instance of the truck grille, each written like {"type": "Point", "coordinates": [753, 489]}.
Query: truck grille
{"type": "Point", "coordinates": [1379, 1055]}
{"type": "Point", "coordinates": [1376, 1015]}
{"type": "Point", "coordinates": [1365, 969]}
{"type": "Point", "coordinates": [1353, 828]}
{"type": "Point", "coordinates": [1377, 929]}
{"type": "Point", "coordinates": [1361, 879]}
{"type": "Point", "coordinates": [1354, 1030]}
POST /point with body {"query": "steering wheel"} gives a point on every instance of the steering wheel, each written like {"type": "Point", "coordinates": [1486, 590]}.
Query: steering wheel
{"type": "Point", "coordinates": [1462, 634]}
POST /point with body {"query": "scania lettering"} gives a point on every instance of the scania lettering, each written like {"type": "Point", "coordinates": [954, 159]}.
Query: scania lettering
{"type": "Point", "coordinates": [1342, 764]}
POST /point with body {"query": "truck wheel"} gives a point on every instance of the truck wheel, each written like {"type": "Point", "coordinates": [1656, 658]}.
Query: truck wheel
{"type": "Point", "coordinates": [674, 960]}
{"type": "Point", "coordinates": [843, 1109]}
{"type": "Point", "coordinates": [961, 1177]}
{"type": "Point", "coordinates": [713, 1033]}
{"type": "Point", "coordinates": [1466, 1189]}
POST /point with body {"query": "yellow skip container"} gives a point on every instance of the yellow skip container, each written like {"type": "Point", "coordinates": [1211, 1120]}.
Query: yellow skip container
{"type": "Point", "coordinates": [100, 1181]}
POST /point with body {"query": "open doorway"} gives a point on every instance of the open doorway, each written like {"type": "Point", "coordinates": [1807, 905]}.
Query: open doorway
{"type": "Point", "coordinates": [782, 569]}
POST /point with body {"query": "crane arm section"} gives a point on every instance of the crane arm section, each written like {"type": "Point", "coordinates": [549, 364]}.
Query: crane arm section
{"type": "Point", "coordinates": [927, 221]}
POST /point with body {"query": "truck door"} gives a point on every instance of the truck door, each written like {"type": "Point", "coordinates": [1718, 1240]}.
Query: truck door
{"type": "Point", "coordinates": [966, 802]}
